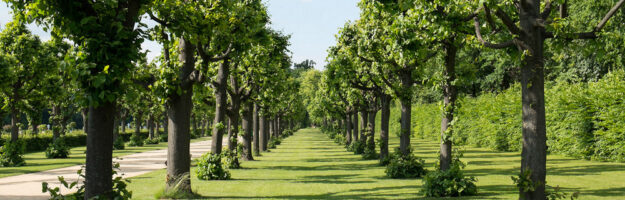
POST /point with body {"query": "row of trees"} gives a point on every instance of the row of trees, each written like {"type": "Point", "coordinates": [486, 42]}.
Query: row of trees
{"type": "Point", "coordinates": [219, 60]}
{"type": "Point", "coordinates": [403, 50]}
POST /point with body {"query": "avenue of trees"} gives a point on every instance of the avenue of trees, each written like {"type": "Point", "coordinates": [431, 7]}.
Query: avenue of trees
{"type": "Point", "coordinates": [222, 72]}
{"type": "Point", "coordinates": [422, 52]}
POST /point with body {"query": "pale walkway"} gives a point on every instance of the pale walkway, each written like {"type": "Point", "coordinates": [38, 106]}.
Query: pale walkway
{"type": "Point", "coordinates": [28, 186]}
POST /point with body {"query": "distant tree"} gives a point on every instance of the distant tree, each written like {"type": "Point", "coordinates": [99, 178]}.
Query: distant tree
{"type": "Point", "coordinates": [306, 65]}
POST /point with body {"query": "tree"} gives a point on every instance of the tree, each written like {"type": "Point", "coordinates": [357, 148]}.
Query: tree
{"type": "Point", "coordinates": [108, 34]}
{"type": "Point", "coordinates": [536, 25]}
{"type": "Point", "coordinates": [25, 69]}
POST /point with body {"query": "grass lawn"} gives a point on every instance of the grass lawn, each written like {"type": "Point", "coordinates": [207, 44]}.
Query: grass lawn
{"type": "Point", "coordinates": [37, 161]}
{"type": "Point", "coordinates": [310, 166]}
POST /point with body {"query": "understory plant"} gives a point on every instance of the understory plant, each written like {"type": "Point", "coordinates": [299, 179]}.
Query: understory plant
{"type": "Point", "coordinates": [449, 183]}
{"type": "Point", "coordinates": [57, 149]}
{"type": "Point", "coordinates": [274, 142]}
{"type": "Point", "coordinates": [135, 141]}
{"type": "Point", "coordinates": [119, 144]}
{"type": "Point", "coordinates": [357, 146]}
{"type": "Point", "coordinates": [210, 167]}
{"type": "Point", "coordinates": [231, 159]}
{"type": "Point", "coordinates": [405, 166]}
{"type": "Point", "coordinates": [152, 140]}
{"type": "Point", "coordinates": [11, 154]}
{"type": "Point", "coordinates": [119, 192]}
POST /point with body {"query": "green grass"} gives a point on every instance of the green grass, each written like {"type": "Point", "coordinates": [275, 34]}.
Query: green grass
{"type": "Point", "coordinates": [310, 166]}
{"type": "Point", "coordinates": [37, 161]}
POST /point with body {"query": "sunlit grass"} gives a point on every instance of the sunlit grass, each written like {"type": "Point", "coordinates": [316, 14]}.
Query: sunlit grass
{"type": "Point", "coordinates": [310, 166]}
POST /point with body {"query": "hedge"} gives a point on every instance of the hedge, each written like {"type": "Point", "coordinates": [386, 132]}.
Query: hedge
{"type": "Point", "coordinates": [584, 120]}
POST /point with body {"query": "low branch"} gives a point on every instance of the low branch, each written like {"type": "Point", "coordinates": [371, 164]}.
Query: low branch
{"type": "Point", "coordinates": [512, 27]}
{"type": "Point", "coordinates": [507, 44]}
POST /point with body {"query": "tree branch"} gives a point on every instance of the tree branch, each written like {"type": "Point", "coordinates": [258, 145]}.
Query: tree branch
{"type": "Point", "coordinates": [507, 44]}
{"type": "Point", "coordinates": [508, 22]}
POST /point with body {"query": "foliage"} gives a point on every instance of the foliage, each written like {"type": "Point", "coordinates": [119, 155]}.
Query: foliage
{"type": "Point", "coordinates": [231, 159]}
{"type": "Point", "coordinates": [153, 140]}
{"type": "Point", "coordinates": [357, 146]}
{"type": "Point", "coordinates": [584, 120]}
{"type": "Point", "coordinates": [555, 193]}
{"type": "Point", "coordinates": [274, 142]}
{"type": "Point", "coordinates": [210, 167]}
{"type": "Point", "coordinates": [449, 183]}
{"type": "Point", "coordinates": [119, 192]}
{"type": "Point", "coordinates": [135, 141]}
{"type": "Point", "coordinates": [405, 166]}
{"type": "Point", "coordinates": [57, 149]}
{"type": "Point", "coordinates": [119, 144]}
{"type": "Point", "coordinates": [11, 153]}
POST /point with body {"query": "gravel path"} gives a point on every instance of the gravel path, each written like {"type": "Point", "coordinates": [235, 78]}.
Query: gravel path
{"type": "Point", "coordinates": [28, 186]}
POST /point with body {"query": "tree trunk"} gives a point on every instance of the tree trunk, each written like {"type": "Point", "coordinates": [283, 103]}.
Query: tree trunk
{"type": "Point", "coordinates": [404, 139]}
{"type": "Point", "coordinates": [371, 127]}
{"type": "Point", "coordinates": [116, 126]}
{"type": "Point", "coordinates": [220, 107]}
{"type": "Point", "coordinates": [34, 124]}
{"type": "Point", "coordinates": [85, 120]}
{"type": "Point", "coordinates": [355, 136]}
{"type": "Point", "coordinates": [534, 153]}
{"type": "Point", "coordinates": [278, 126]}
{"type": "Point", "coordinates": [138, 124]}
{"type": "Point", "coordinates": [263, 126]}
{"type": "Point", "coordinates": [233, 132]}
{"type": "Point", "coordinates": [56, 122]}
{"type": "Point", "coordinates": [194, 124]}
{"type": "Point", "coordinates": [449, 100]}
{"type": "Point", "coordinates": [349, 130]}
{"type": "Point", "coordinates": [256, 126]}
{"type": "Point", "coordinates": [384, 123]}
{"type": "Point", "coordinates": [271, 129]}
{"type": "Point", "coordinates": [15, 129]}
{"type": "Point", "coordinates": [247, 124]}
{"type": "Point", "coordinates": [151, 126]}
{"type": "Point", "coordinates": [179, 113]}
{"type": "Point", "coordinates": [99, 161]}
{"type": "Point", "coordinates": [363, 125]}
{"type": "Point", "coordinates": [123, 123]}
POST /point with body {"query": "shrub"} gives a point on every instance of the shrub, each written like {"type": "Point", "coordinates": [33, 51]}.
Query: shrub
{"type": "Point", "coordinates": [357, 146]}
{"type": "Point", "coordinates": [152, 141]}
{"type": "Point", "coordinates": [339, 139]}
{"type": "Point", "coordinates": [42, 127]}
{"type": "Point", "coordinates": [369, 154]}
{"type": "Point", "coordinates": [6, 128]}
{"type": "Point", "coordinates": [274, 142]}
{"type": "Point", "coordinates": [135, 141]}
{"type": "Point", "coordinates": [405, 166]}
{"type": "Point", "coordinates": [119, 144]}
{"type": "Point", "coordinates": [193, 135]}
{"type": "Point", "coordinates": [119, 191]}
{"type": "Point", "coordinates": [11, 154]}
{"type": "Point", "coordinates": [163, 137]}
{"type": "Point", "coordinates": [231, 159]}
{"type": "Point", "coordinates": [449, 183]}
{"type": "Point", "coordinates": [209, 167]}
{"type": "Point", "coordinates": [57, 149]}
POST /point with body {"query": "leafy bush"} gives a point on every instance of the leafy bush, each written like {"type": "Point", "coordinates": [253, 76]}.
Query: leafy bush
{"type": "Point", "coordinates": [274, 142]}
{"type": "Point", "coordinates": [119, 144]}
{"type": "Point", "coordinates": [135, 141]}
{"type": "Point", "coordinates": [119, 191]}
{"type": "Point", "coordinates": [6, 128]}
{"type": "Point", "coordinates": [11, 154]}
{"type": "Point", "coordinates": [209, 167]}
{"type": "Point", "coordinates": [57, 149]}
{"type": "Point", "coordinates": [152, 141]}
{"type": "Point", "coordinates": [193, 135]}
{"type": "Point", "coordinates": [405, 166]}
{"type": "Point", "coordinates": [339, 139]}
{"type": "Point", "coordinates": [231, 159]}
{"type": "Point", "coordinates": [163, 137]}
{"type": "Point", "coordinates": [357, 146]}
{"type": "Point", "coordinates": [41, 141]}
{"type": "Point", "coordinates": [449, 183]}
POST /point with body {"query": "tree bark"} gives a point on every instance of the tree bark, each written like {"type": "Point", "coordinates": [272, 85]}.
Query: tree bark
{"type": "Point", "coordinates": [138, 124]}
{"type": "Point", "coordinates": [404, 139]}
{"type": "Point", "coordinates": [256, 127]}
{"type": "Point", "coordinates": [371, 127]}
{"type": "Point", "coordinates": [363, 125]}
{"type": "Point", "coordinates": [263, 124]}
{"type": "Point", "coordinates": [151, 126]}
{"type": "Point", "coordinates": [384, 124]}
{"type": "Point", "coordinates": [116, 126]}
{"type": "Point", "coordinates": [534, 153]}
{"type": "Point", "coordinates": [247, 124]}
{"type": "Point", "coordinates": [233, 132]}
{"type": "Point", "coordinates": [15, 129]}
{"type": "Point", "coordinates": [56, 122]}
{"type": "Point", "coordinates": [349, 130]}
{"type": "Point", "coordinates": [99, 161]}
{"type": "Point", "coordinates": [85, 120]}
{"type": "Point", "coordinates": [220, 107]}
{"type": "Point", "coordinates": [355, 136]}
{"type": "Point", "coordinates": [179, 113]}
{"type": "Point", "coordinates": [449, 99]}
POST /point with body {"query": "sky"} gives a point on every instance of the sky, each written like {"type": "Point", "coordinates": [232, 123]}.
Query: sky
{"type": "Point", "coordinates": [312, 25]}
